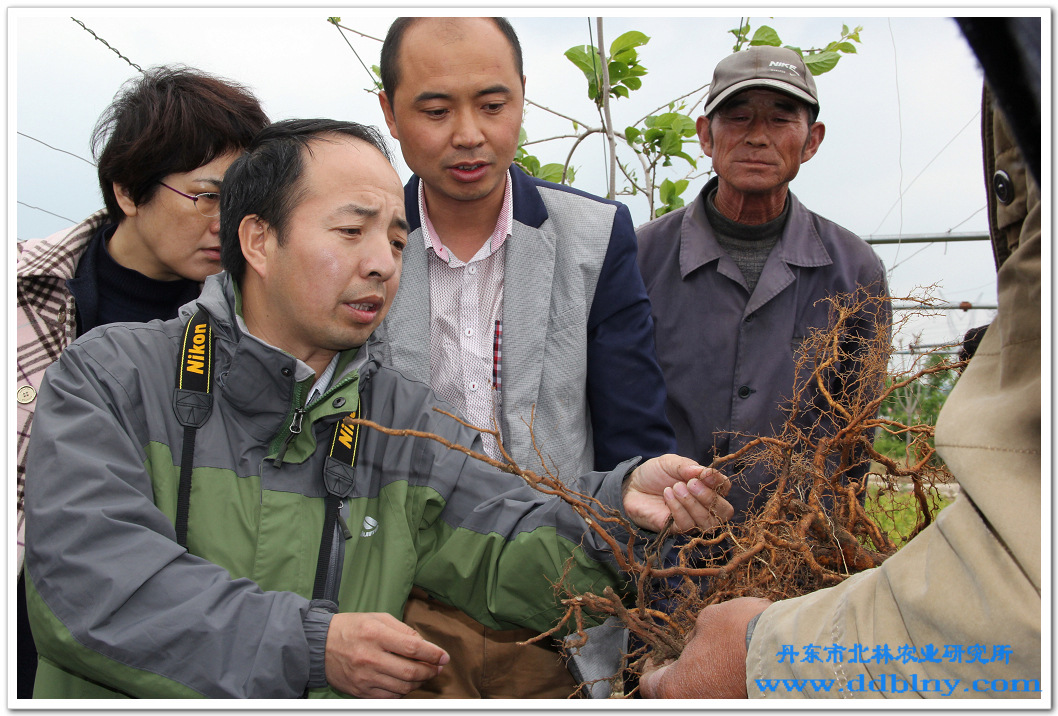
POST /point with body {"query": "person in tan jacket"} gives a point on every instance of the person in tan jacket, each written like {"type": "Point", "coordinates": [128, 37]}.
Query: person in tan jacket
{"type": "Point", "coordinates": [956, 613]}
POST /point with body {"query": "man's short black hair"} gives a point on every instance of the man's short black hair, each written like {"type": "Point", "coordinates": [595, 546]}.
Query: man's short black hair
{"type": "Point", "coordinates": [389, 67]}
{"type": "Point", "coordinates": [172, 119]}
{"type": "Point", "coordinates": [266, 180]}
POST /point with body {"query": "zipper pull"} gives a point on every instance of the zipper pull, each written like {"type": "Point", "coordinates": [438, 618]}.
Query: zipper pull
{"type": "Point", "coordinates": [295, 429]}
{"type": "Point", "coordinates": [342, 524]}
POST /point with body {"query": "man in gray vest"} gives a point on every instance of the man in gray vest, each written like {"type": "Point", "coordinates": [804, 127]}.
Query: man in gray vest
{"type": "Point", "coordinates": [521, 300]}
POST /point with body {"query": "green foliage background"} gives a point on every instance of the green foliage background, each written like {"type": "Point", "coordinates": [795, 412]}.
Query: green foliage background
{"type": "Point", "coordinates": [918, 403]}
{"type": "Point", "coordinates": [897, 513]}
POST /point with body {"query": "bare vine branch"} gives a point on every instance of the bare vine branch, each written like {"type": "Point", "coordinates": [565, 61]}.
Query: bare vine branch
{"type": "Point", "coordinates": [557, 114]}
{"type": "Point", "coordinates": [674, 101]}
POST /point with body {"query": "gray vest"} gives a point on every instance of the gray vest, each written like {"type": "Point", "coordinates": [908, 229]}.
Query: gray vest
{"type": "Point", "coordinates": [550, 276]}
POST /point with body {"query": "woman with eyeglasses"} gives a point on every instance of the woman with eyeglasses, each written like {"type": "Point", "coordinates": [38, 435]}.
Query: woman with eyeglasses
{"type": "Point", "coordinates": [162, 148]}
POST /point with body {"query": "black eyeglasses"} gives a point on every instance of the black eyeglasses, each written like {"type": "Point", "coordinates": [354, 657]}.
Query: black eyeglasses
{"type": "Point", "coordinates": [207, 203]}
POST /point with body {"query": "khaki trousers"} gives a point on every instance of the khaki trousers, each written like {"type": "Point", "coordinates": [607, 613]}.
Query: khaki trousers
{"type": "Point", "coordinates": [485, 663]}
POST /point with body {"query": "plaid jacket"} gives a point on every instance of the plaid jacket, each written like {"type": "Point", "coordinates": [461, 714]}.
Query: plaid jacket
{"type": "Point", "coordinates": [46, 324]}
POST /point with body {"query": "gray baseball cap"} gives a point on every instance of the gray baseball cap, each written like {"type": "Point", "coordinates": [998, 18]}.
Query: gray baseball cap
{"type": "Point", "coordinates": [776, 68]}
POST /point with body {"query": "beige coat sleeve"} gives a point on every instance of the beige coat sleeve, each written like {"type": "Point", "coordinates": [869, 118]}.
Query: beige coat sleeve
{"type": "Point", "coordinates": [973, 577]}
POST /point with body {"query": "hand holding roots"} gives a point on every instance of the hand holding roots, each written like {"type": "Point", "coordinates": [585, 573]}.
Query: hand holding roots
{"type": "Point", "coordinates": [811, 530]}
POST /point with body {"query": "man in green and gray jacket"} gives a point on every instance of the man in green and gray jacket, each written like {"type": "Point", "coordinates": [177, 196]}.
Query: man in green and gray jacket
{"type": "Point", "coordinates": [201, 522]}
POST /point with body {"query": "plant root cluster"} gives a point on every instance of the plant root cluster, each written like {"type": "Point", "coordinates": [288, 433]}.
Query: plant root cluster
{"type": "Point", "coordinates": [811, 530]}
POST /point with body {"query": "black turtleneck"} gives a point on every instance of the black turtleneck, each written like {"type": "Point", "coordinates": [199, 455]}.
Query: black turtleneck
{"type": "Point", "coordinates": [107, 292]}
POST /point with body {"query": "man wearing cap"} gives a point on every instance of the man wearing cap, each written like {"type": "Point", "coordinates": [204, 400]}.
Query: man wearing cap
{"type": "Point", "coordinates": [973, 577]}
{"type": "Point", "coordinates": [739, 274]}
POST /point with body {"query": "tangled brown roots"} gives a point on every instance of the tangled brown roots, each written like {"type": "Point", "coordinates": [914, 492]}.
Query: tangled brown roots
{"type": "Point", "coordinates": [811, 530]}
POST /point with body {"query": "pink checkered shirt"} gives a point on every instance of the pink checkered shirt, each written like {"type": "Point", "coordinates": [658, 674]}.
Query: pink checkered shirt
{"type": "Point", "coordinates": [466, 315]}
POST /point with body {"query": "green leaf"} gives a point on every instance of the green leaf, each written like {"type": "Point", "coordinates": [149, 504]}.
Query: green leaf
{"type": "Point", "coordinates": [582, 56]}
{"type": "Point", "coordinates": [571, 176]}
{"type": "Point", "coordinates": [632, 38]}
{"type": "Point", "coordinates": [844, 30]}
{"type": "Point", "coordinates": [847, 47]}
{"type": "Point", "coordinates": [681, 186]}
{"type": "Point", "coordinates": [690, 160]}
{"type": "Point", "coordinates": [741, 32]}
{"type": "Point", "coordinates": [577, 55]}
{"type": "Point", "coordinates": [684, 125]}
{"type": "Point", "coordinates": [625, 57]}
{"type": "Point", "coordinates": [672, 142]}
{"type": "Point", "coordinates": [665, 191]}
{"type": "Point", "coordinates": [522, 136]}
{"type": "Point", "coordinates": [650, 121]}
{"type": "Point", "coordinates": [632, 135]}
{"type": "Point", "coordinates": [822, 62]}
{"type": "Point", "coordinates": [617, 72]}
{"type": "Point", "coordinates": [334, 20]}
{"type": "Point", "coordinates": [653, 134]}
{"type": "Point", "coordinates": [632, 83]}
{"type": "Point", "coordinates": [619, 91]}
{"type": "Point", "coordinates": [766, 36]}
{"type": "Point", "coordinates": [550, 172]}
{"type": "Point", "coordinates": [530, 164]}
{"type": "Point", "coordinates": [666, 120]}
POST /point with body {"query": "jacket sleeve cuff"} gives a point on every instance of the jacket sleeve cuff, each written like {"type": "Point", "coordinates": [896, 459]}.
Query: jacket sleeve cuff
{"type": "Point", "coordinates": [317, 621]}
{"type": "Point", "coordinates": [749, 630]}
{"type": "Point", "coordinates": [616, 482]}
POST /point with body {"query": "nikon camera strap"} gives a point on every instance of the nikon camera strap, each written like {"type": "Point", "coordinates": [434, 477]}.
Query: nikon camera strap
{"type": "Point", "coordinates": [193, 403]}
{"type": "Point", "coordinates": [345, 444]}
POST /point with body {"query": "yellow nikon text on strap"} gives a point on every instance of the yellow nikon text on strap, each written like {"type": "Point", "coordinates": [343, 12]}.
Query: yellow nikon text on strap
{"type": "Point", "coordinates": [197, 355]}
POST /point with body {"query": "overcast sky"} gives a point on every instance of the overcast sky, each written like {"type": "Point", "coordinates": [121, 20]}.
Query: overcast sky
{"type": "Point", "coordinates": [901, 155]}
